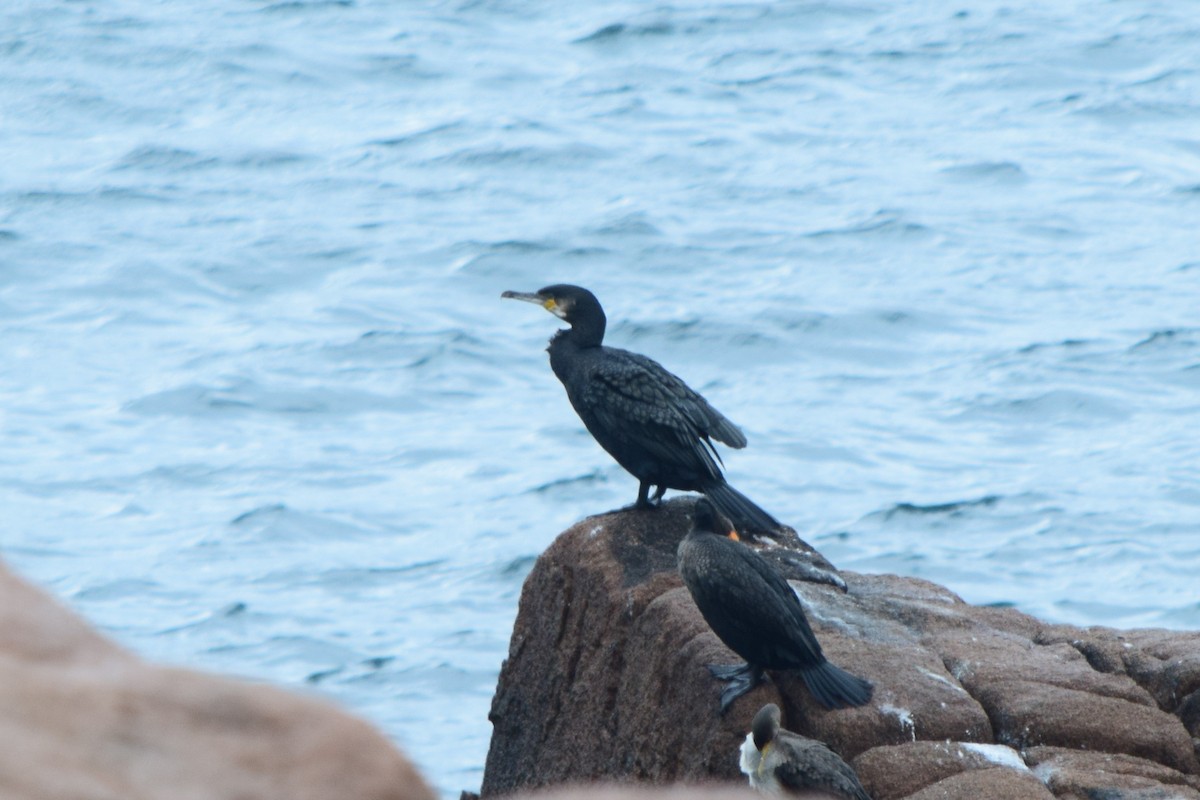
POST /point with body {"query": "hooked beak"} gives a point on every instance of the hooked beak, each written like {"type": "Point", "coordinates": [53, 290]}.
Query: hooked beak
{"type": "Point", "coordinates": [528, 297]}
{"type": "Point", "coordinates": [546, 302]}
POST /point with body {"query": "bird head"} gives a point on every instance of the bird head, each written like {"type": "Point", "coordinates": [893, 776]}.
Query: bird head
{"type": "Point", "coordinates": [706, 517]}
{"type": "Point", "coordinates": [562, 300]}
{"type": "Point", "coordinates": [576, 305]}
{"type": "Point", "coordinates": [765, 725]}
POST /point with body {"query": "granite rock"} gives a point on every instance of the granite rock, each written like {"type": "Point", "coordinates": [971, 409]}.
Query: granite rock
{"type": "Point", "coordinates": [606, 680]}
{"type": "Point", "coordinates": [86, 720]}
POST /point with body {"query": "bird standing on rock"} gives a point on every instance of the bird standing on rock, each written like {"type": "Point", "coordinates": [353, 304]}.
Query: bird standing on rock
{"type": "Point", "coordinates": [655, 426]}
{"type": "Point", "coordinates": [756, 613]}
{"type": "Point", "coordinates": [780, 762]}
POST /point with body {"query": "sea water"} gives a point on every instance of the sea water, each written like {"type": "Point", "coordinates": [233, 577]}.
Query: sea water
{"type": "Point", "coordinates": [263, 411]}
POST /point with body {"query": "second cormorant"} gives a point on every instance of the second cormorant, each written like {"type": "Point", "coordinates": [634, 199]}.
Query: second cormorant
{"type": "Point", "coordinates": [655, 426]}
{"type": "Point", "coordinates": [756, 613]}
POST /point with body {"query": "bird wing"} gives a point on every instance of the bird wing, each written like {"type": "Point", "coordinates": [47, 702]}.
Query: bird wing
{"type": "Point", "coordinates": [803, 642]}
{"type": "Point", "coordinates": [635, 399]}
{"type": "Point", "coordinates": [761, 616]}
{"type": "Point", "coordinates": [702, 416]}
{"type": "Point", "coordinates": [631, 393]}
{"type": "Point", "coordinates": [809, 764]}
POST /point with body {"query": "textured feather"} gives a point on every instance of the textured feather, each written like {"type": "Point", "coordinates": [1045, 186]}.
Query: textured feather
{"type": "Point", "coordinates": [802, 764]}
{"type": "Point", "coordinates": [747, 604]}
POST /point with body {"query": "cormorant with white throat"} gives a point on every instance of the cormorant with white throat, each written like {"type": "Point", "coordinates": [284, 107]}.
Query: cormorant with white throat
{"type": "Point", "coordinates": [779, 762]}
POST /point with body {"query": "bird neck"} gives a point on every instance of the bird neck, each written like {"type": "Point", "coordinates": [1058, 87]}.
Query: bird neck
{"type": "Point", "coordinates": [587, 332]}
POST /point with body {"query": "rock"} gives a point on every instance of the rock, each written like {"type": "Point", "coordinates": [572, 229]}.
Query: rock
{"type": "Point", "coordinates": [1076, 774]}
{"type": "Point", "coordinates": [628, 792]}
{"type": "Point", "coordinates": [606, 678]}
{"type": "Point", "coordinates": [1026, 713]}
{"type": "Point", "coordinates": [594, 644]}
{"type": "Point", "coordinates": [987, 784]}
{"type": "Point", "coordinates": [897, 771]}
{"type": "Point", "coordinates": [1165, 663]}
{"type": "Point", "coordinates": [86, 719]}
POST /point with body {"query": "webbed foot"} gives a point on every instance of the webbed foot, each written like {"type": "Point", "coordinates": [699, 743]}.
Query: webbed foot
{"type": "Point", "coordinates": [740, 677]}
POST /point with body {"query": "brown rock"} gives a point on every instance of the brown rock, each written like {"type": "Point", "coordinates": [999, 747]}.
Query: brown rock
{"type": "Point", "coordinates": [605, 631]}
{"type": "Point", "coordinates": [599, 637]}
{"type": "Point", "coordinates": [1164, 663]}
{"type": "Point", "coordinates": [84, 719]}
{"type": "Point", "coordinates": [978, 662]}
{"type": "Point", "coordinates": [999, 783]}
{"type": "Point", "coordinates": [1167, 663]}
{"type": "Point", "coordinates": [630, 792]}
{"type": "Point", "coordinates": [1026, 714]}
{"type": "Point", "coordinates": [606, 675]}
{"type": "Point", "coordinates": [1072, 773]}
{"type": "Point", "coordinates": [896, 771]}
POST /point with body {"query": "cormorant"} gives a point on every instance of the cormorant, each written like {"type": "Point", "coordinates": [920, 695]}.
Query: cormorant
{"type": "Point", "coordinates": [780, 762]}
{"type": "Point", "coordinates": [756, 613]}
{"type": "Point", "coordinates": [654, 425]}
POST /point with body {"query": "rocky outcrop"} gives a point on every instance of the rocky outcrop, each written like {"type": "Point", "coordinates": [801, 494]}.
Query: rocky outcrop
{"type": "Point", "coordinates": [605, 680]}
{"type": "Point", "coordinates": [85, 720]}
{"type": "Point", "coordinates": [628, 792]}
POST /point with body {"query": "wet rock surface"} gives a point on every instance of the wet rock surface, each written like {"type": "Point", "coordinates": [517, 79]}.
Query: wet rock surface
{"type": "Point", "coordinates": [606, 680]}
{"type": "Point", "coordinates": [86, 720]}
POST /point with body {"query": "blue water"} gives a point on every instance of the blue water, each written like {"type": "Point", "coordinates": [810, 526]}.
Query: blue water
{"type": "Point", "coordinates": [264, 412]}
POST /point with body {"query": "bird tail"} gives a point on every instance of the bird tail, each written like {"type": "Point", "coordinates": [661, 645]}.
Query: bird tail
{"type": "Point", "coordinates": [741, 510]}
{"type": "Point", "coordinates": [835, 688]}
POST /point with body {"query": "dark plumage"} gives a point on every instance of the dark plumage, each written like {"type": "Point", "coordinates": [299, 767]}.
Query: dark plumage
{"type": "Point", "coordinates": [650, 421]}
{"type": "Point", "coordinates": [780, 762]}
{"type": "Point", "coordinates": [756, 613]}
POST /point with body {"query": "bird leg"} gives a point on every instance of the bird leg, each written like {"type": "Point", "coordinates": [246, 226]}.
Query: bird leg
{"type": "Point", "coordinates": [643, 495]}
{"type": "Point", "coordinates": [740, 677]}
{"type": "Point", "coordinates": [644, 500]}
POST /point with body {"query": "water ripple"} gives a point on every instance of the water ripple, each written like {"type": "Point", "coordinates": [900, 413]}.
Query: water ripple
{"type": "Point", "coordinates": [266, 413]}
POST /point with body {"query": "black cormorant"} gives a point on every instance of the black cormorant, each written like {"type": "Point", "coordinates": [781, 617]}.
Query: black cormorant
{"type": "Point", "coordinates": [779, 762]}
{"type": "Point", "coordinates": [756, 613]}
{"type": "Point", "coordinates": [650, 421]}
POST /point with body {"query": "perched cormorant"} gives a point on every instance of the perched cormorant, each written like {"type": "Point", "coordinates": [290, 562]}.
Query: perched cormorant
{"type": "Point", "coordinates": [756, 613]}
{"type": "Point", "coordinates": [650, 421]}
{"type": "Point", "coordinates": [780, 762]}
